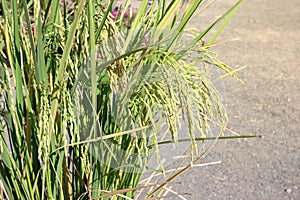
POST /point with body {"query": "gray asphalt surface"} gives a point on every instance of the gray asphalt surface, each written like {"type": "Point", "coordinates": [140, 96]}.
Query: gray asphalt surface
{"type": "Point", "coordinates": [267, 104]}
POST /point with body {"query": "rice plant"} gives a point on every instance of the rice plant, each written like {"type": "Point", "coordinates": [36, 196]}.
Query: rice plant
{"type": "Point", "coordinates": [85, 93]}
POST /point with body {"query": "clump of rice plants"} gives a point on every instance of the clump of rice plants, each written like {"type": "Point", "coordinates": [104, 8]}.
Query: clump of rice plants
{"type": "Point", "coordinates": [85, 89]}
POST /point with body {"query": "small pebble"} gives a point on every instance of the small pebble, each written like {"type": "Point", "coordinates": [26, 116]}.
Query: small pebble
{"type": "Point", "coordinates": [295, 187]}
{"type": "Point", "coordinates": [289, 190]}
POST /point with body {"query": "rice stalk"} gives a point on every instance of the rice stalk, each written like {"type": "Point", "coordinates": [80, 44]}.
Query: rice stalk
{"type": "Point", "coordinates": [83, 98]}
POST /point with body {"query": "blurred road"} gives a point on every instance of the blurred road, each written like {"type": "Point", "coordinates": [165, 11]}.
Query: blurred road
{"type": "Point", "coordinates": [267, 104]}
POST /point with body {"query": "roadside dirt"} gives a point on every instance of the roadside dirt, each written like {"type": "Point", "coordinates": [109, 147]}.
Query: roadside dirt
{"type": "Point", "coordinates": [268, 104]}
